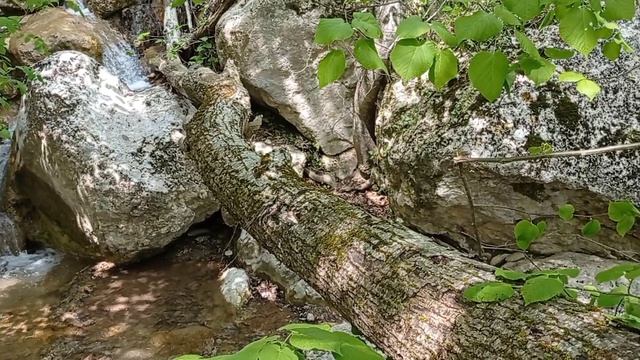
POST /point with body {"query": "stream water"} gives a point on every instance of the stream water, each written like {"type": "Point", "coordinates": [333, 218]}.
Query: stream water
{"type": "Point", "coordinates": [57, 307]}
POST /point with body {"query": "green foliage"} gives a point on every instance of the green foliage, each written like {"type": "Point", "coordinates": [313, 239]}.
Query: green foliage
{"type": "Point", "coordinates": [592, 228]}
{"type": "Point", "coordinates": [624, 213]}
{"type": "Point", "coordinates": [541, 288]}
{"type": "Point", "coordinates": [411, 57]}
{"type": "Point", "coordinates": [527, 232]}
{"type": "Point", "coordinates": [566, 212]}
{"type": "Point", "coordinates": [544, 148]}
{"type": "Point", "coordinates": [431, 47]}
{"type": "Point", "coordinates": [480, 26]}
{"type": "Point", "coordinates": [331, 67]}
{"type": "Point", "coordinates": [366, 53]}
{"type": "Point", "coordinates": [491, 291]}
{"type": "Point", "coordinates": [585, 86]}
{"type": "Point", "coordinates": [302, 337]}
{"type": "Point", "coordinates": [14, 78]}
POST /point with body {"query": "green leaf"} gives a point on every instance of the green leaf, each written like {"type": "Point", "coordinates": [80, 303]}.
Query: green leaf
{"type": "Point", "coordinates": [412, 27]}
{"type": "Point", "coordinates": [330, 30]}
{"type": "Point", "coordinates": [331, 67]}
{"type": "Point", "coordinates": [542, 227]}
{"type": "Point", "coordinates": [450, 39]}
{"type": "Point", "coordinates": [491, 291]}
{"type": "Point", "coordinates": [507, 17]}
{"type": "Point", "coordinates": [625, 225]}
{"type": "Point", "coordinates": [525, 9]}
{"type": "Point", "coordinates": [411, 57]}
{"type": "Point", "coordinates": [570, 272]}
{"type": "Point", "coordinates": [576, 29]}
{"type": "Point", "coordinates": [566, 212]}
{"type": "Point", "coordinates": [612, 50]}
{"type": "Point", "coordinates": [273, 351]}
{"type": "Point", "coordinates": [297, 326]}
{"type": "Point", "coordinates": [488, 72]}
{"type": "Point", "coordinates": [354, 352]}
{"type": "Point", "coordinates": [367, 23]}
{"type": "Point", "coordinates": [543, 73]}
{"type": "Point", "coordinates": [367, 55]}
{"type": "Point", "coordinates": [510, 275]}
{"type": "Point", "coordinates": [557, 53]}
{"type": "Point", "coordinates": [592, 228]}
{"type": "Point", "coordinates": [633, 274]}
{"type": "Point", "coordinates": [527, 45]}
{"type": "Point", "coordinates": [619, 209]}
{"type": "Point", "coordinates": [615, 272]}
{"type": "Point", "coordinates": [315, 339]}
{"type": "Point", "coordinates": [525, 232]}
{"type": "Point", "coordinates": [596, 5]}
{"type": "Point", "coordinates": [539, 289]}
{"type": "Point", "coordinates": [571, 76]}
{"type": "Point", "coordinates": [445, 68]}
{"type": "Point", "coordinates": [5, 134]}
{"type": "Point", "coordinates": [632, 308]}
{"type": "Point", "coordinates": [481, 26]}
{"type": "Point", "coordinates": [613, 298]}
{"type": "Point", "coordinates": [619, 9]}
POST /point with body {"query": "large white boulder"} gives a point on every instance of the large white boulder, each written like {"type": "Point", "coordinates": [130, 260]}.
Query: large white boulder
{"type": "Point", "coordinates": [103, 166]}
{"type": "Point", "coordinates": [420, 131]}
{"type": "Point", "coordinates": [271, 42]}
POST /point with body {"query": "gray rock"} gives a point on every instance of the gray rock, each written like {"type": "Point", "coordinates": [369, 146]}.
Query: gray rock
{"type": "Point", "coordinates": [420, 131]}
{"type": "Point", "coordinates": [106, 8]}
{"type": "Point", "coordinates": [271, 42]}
{"type": "Point", "coordinates": [264, 263]}
{"type": "Point", "coordinates": [11, 239]}
{"type": "Point", "coordinates": [498, 259]}
{"type": "Point", "coordinates": [235, 287]}
{"type": "Point", "coordinates": [103, 165]}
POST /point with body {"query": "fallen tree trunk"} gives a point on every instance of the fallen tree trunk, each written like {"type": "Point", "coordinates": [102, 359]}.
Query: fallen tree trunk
{"type": "Point", "coordinates": [400, 288]}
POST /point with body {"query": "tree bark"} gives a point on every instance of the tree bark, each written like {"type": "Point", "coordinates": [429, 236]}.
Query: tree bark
{"type": "Point", "coordinates": [401, 289]}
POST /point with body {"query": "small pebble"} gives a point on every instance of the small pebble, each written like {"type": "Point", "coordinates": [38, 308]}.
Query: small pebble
{"type": "Point", "coordinates": [311, 317]}
{"type": "Point", "coordinates": [228, 253]}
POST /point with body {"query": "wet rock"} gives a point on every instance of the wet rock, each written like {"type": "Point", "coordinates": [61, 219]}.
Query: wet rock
{"type": "Point", "coordinates": [11, 7]}
{"type": "Point", "coordinates": [421, 130]}
{"type": "Point", "coordinates": [58, 30]}
{"type": "Point", "coordinates": [271, 42]}
{"type": "Point", "coordinates": [105, 8]}
{"type": "Point", "coordinates": [498, 259]}
{"type": "Point", "coordinates": [103, 166]}
{"type": "Point", "coordinates": [143, 18]}
{"type": "Point", "coordinates": [264, 263]}
{"type": "Point", "coordinates": [235, 287]}
{"type": "Point", "coordinates": [11, 239]}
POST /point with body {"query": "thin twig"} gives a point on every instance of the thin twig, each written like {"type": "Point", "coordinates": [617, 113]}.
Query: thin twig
{"type": "Point", "coordinates": [575, 153]}
{"type": "Point", "coordinates": [472, 208]}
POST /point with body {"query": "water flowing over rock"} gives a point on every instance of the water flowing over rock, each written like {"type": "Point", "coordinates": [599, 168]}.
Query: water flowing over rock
{"type": "Point", "coordinates": [103, 165]}
{"type": "Point", "coordinates": [59, 30]}
{"type": "Point", "coordinates": [271, 41]}
{"type": "Point", "coordinates": [420, 131]}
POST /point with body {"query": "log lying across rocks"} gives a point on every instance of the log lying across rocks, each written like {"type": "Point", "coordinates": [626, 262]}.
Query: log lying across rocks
{"type": "Point", "coordinates": [400, 288]}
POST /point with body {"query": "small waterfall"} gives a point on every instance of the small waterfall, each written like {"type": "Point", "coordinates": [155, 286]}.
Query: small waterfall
{"type": "Point", "coordinates": [119, 57]}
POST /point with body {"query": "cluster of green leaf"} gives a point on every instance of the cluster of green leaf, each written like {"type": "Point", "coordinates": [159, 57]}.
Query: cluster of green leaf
{"type": "Point", "coordinates": [544, 285]}
{"type": "Point", "coordinates": [429, 47]}
{"type": "Point", "coordinates": [13, 78]}
{"type": "Point", "coordinates": [205, 53]}
{"type": "Point", "coordinates": [301, 338]}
